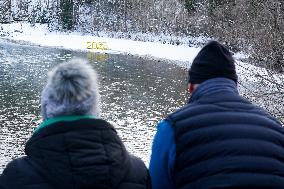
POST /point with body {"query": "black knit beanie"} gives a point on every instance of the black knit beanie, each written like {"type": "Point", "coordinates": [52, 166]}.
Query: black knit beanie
{"type": "Point", "coordinates": [214, 60]}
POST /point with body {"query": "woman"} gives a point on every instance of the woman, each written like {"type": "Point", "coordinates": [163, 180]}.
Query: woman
{"type": "Point", "coordinates": [73, 148]}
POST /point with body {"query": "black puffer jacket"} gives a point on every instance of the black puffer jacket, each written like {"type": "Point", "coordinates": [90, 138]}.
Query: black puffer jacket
{"type": "Point", "coordinates": [83, 153]}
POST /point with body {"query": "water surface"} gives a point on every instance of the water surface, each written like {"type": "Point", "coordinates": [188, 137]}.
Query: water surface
{"type": "Point", "coordinates": [136, 94]}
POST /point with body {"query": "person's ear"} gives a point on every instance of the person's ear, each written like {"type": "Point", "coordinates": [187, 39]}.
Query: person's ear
{"type": "Point", "coordinates": [190, 87]}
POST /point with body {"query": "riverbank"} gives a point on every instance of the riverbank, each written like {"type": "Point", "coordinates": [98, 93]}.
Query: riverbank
{"type": "Point", "coordinates": [40, 35]}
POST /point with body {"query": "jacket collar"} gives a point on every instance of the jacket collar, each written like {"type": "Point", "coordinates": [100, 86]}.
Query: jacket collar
{"type": "Point", "coordinates": [61, 118]}
{"type": "Point", "coordinates": [212, 86]}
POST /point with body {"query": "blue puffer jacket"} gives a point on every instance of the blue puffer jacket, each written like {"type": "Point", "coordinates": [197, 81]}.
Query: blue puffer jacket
{"type": "Point", "coordinates": [75, 153]}
{"type": "Point", "coordinates": [223, 141]}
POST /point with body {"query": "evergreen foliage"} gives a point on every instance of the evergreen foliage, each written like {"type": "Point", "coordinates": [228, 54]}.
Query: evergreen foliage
{"type": "Point", "coordinates": [66, 15]}
{"type": "Point", "coordinates": [189, 5]}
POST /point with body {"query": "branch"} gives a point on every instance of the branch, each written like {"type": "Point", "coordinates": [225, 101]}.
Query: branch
{"type": "Point", "coordinates": [281, 86]}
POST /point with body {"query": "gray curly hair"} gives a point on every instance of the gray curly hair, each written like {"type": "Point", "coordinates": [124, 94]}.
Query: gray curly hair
{"type": "Point", "coordinates": [71, 89]}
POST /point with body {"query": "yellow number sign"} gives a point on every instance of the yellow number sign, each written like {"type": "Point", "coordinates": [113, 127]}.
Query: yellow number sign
{"type": "Point", "coordinates": [97, 45]}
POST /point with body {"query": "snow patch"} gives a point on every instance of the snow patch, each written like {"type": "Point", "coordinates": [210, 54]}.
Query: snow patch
{"type": "Point", "coordinates": [40, 35]}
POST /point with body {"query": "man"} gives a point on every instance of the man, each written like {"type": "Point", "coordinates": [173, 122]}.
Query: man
{"type": "Point", "coordinates": [73, 148]}
{"type": "Point", "coordinates": [218, 140]}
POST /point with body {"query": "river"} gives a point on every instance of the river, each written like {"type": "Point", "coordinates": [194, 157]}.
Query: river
{"type": "Point", "coordinates": [136, 94]}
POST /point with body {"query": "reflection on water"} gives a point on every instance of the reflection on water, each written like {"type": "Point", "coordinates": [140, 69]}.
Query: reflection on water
{"type": "Point", "coordinates": [136, 94]}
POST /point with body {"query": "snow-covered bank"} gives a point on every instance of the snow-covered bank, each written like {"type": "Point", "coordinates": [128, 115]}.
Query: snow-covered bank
{"type": "Point", "coordinates": [40, 35]}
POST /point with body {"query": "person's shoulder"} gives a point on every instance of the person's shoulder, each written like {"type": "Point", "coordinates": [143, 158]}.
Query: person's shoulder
{"type": "Point", "coordinates": [13, 173]}
{"type": "Point", "coordinates": [180, 113]}
{"type": "Point", "coordinates": [137, 163]}
{"type": "Point", "coordinates": [20, 168]}
{"type": "Point", "coordinates": [261, 112]}
{"type": "Point", "coordinates": [164, 136]}
{"type": "Point", "coordinates": [137, 174]}
{"type": "Point", "coordinates": [257, 112]}
{"type": "Point", "coordinates": [14, 165]}
{"type": "Point", "coordinates": [19, 173]}
{"type": "Point", "coordinates": [164, 125]}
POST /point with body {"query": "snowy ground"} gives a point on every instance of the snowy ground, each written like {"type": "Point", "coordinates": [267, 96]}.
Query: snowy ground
{"type": "Point", "coordinates": [39, 35]}
{"type": "Point", "coordinates": [258, 84]}
{"type": "Point", "coordinates": [75, 41]}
